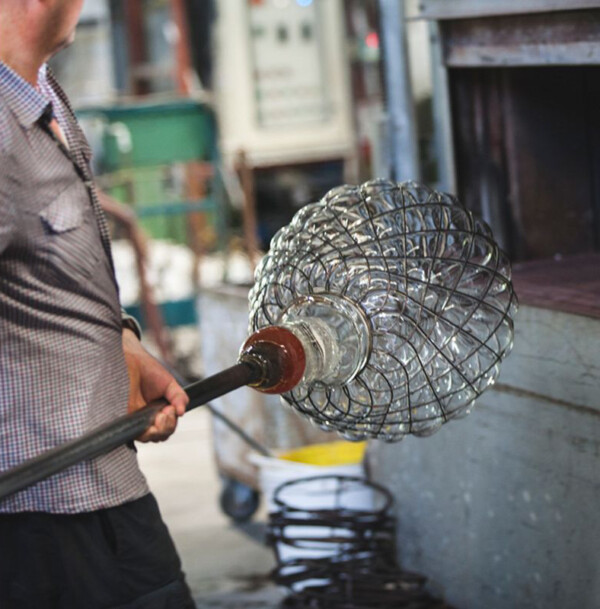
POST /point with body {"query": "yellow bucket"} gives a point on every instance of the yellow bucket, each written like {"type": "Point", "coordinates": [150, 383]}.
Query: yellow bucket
{"type": "Point", "coordinates": [328, 454]}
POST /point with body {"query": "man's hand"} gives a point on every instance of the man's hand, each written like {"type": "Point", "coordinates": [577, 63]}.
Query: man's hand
{"type": "Point", "coordinates": [148, 381]}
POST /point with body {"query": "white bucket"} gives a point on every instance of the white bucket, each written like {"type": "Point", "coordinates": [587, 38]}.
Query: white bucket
{"type": "Point", "coordinates": [274, 472]}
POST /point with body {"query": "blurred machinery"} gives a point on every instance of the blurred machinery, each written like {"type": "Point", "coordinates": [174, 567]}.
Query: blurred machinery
{"type": "Point", "coordinates": [280, 79]}
{"type": "Point", "coordinates": [147, 159]}
{"type": "Point", "coordinates": [517, 138]}
{"type": "Point", "coordinates": [282, 93]}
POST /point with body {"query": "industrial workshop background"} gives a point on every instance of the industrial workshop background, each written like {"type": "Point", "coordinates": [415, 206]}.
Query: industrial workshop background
{"type": "Point", "coordinates": [216, 120]}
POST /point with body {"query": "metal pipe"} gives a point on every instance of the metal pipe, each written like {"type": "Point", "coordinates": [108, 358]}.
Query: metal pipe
{"type": "Point", "coordinates": [442, 114]}
{"type": "Point", "coordinates": [259, 448]}
{"type": "Point", "coordinates": [399, 101]}
{"type": "Point", "coordinates": [122, 430]}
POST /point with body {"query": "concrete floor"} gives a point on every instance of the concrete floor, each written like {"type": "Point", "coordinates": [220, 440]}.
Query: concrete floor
{"type": "Point", "coordinates": [226, 566]}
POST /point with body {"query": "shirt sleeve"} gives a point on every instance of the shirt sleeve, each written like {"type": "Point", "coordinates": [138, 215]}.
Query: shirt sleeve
{"type": "Point", "coordinates": [127, 321]}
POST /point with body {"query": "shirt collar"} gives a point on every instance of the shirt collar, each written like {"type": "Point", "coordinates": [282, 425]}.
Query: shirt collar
{"type": "Point", "coordinates": [26, 102]}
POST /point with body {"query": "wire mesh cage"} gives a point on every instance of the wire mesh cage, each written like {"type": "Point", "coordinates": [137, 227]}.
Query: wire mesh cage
{"type": "Point", "coordinates": [420, 296]}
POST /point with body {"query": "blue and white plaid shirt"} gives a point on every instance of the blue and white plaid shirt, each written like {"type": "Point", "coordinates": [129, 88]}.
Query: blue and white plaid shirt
{"type": "Point", "coordinates": [62, 369]}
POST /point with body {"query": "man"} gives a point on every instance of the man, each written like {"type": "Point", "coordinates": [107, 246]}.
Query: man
{"type": "Point", "coordinates": [90, 536]}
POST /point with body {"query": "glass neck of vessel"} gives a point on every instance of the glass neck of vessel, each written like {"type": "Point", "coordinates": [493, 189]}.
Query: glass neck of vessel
{"type": "Point", "coordinates": [322, 339]}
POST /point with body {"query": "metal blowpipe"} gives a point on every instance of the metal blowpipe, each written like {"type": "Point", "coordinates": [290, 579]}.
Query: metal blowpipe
{"type": "Point", "coordinates": [380, 311]}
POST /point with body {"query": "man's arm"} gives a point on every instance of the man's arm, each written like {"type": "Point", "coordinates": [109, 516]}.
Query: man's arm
{"type": "Point", "coordinates": [148, 381]}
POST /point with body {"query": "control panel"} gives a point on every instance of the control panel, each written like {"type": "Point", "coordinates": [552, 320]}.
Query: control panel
{"type": "Point", "coordinates": [282, 80]}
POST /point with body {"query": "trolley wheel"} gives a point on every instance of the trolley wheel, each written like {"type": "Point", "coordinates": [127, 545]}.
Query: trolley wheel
{"type": "Point", "coordinates": [238, 500]}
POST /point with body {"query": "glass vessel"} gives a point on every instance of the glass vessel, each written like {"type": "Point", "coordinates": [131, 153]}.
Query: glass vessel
{"type": "Point", "coordinates": [403, 304]}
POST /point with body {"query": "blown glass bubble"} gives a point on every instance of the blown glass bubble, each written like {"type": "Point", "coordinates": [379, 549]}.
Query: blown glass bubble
{"type": "Point", "coordinates": [407, 293]}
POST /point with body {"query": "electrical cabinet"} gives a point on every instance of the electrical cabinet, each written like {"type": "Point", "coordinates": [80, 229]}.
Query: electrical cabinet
{"type": "Point", "coordinates": [282, 83]}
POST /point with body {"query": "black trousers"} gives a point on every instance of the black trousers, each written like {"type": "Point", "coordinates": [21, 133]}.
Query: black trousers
{"type": "Point", "coordinates": [118, 558]}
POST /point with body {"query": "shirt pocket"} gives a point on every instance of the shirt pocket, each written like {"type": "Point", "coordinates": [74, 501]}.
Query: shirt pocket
{"type": "Point", "coordinates": [71, 246]}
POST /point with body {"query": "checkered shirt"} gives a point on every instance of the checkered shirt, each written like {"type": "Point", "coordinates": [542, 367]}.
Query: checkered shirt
{"type": "Point", "coordinates": [62, 369]}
